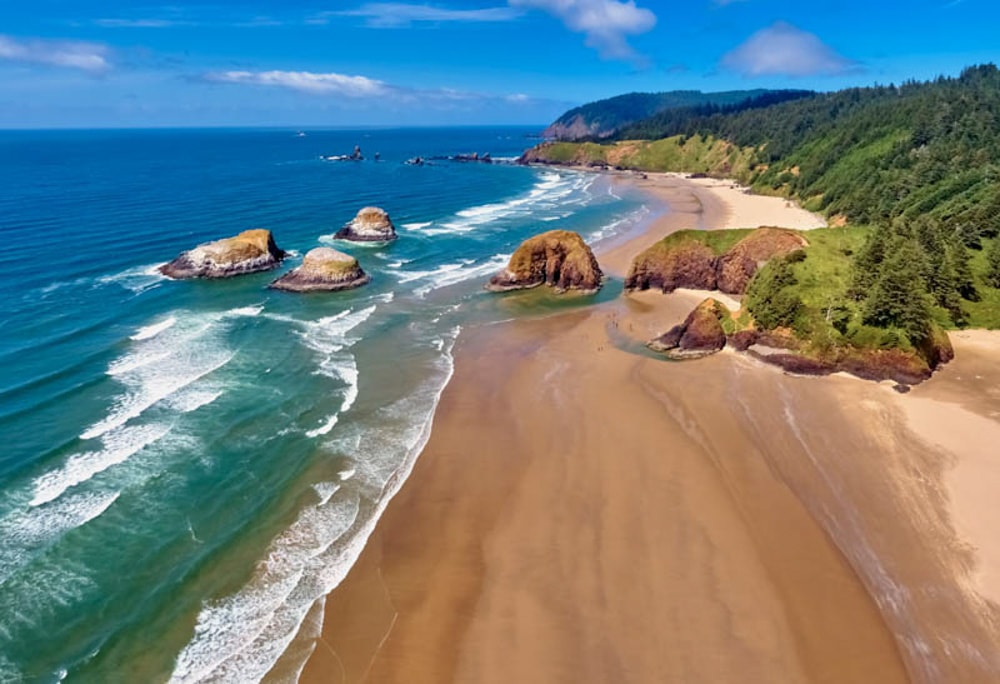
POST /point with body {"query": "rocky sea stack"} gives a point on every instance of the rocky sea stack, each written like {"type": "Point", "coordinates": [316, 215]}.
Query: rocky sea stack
{"type": "Point", "coordinates": [323, 270]}
{"type": "Point", "coordinates": [370, 225]}
{"type": "Point", "coordinates": [699, 335]}
{"type": "Point", "coordinates": [249, 252]}
{"type": "Point", "coordinates": [683, 261]}
{"type": "Point", "coordinates": [558, 258]}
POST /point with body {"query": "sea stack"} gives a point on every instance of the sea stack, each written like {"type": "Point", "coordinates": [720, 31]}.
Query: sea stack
{"type": "Point", "coordinates": [701, 333]}
{"type": "Point", "coordinates": [323, 270]}
{"type": "Point", "coordinates": [249, 252]}
{"type": "Point", "coordinates": [558, 258]}
{"type": "Point", "coordinates": [370, 225]}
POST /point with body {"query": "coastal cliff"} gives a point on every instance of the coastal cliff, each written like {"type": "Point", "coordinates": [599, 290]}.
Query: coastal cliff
{"type": "Point", "coordinates": [701, 333]}
{"type": "Point", "coordinates": [689, 260]}
{"type": "Point", "coordinates": [559, 258]}
{"type": "Point", "coordinates": [323, 270]}
{"type": "Point", "coordinates": [249, 252]}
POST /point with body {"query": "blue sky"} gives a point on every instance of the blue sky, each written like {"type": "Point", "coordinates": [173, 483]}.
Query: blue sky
{"type": "Point", "coordinates": [312, 63]}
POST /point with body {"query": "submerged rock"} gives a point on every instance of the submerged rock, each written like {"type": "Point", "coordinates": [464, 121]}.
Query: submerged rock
{"type": "Point", "coordinates": [370, 225]}
{"type": "Point", "coordinates": [323, 270]}
{"type": "Point", "coordinates": [249, 252]}
{"type": "Point", "coordinates": [558, 258]}
{"type": "Point", "coordinates": [699, 335]}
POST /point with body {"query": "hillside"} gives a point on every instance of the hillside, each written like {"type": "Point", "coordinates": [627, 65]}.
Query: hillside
{"type": "Point", "coordinates": [917, 164]}
{"type": "Point", "coordinates": [602, 119]}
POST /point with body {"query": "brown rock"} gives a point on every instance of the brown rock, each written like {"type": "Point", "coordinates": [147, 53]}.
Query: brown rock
{"type": "Point", "coordinates": [558, 258]}
{"type": "Point", "coordinates": [249, 252]}
{"type": "Point", "coordinates": [736, 267]}
{"type": "Point", "coordinates": [668, 266]}
{"type": "Point", "coordinates": [699, 335]}
{"type": "Point", "coordinates": [370, 225]}
{"type": "Point", "coordinates": [323, 270]}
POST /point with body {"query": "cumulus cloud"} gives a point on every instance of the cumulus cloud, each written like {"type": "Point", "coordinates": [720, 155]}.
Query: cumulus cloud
{"type": "Point", "coordinates": [398, 14]}
{"type": "Point", "coordinates": [92, 57]}
{"type": "Point", "coordinates": [605, 23]}
{"type": "Point", "coordinates": [305, 81]}
{"type": "Point", "coordinates": [784, 50]}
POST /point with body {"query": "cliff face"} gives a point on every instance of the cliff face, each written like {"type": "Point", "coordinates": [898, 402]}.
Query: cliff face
{"type": "Point", "coordinates": [372, 224]}
{"type": "Point", "coordinates": [249, 252]}
{"type": "Point", "coordinates": [323, 270]}
{"type": "Point", "coordinates": [682, 261]}
{"type": "Point", "coordinates": [736, 267]}
{"type": "Point", "coordinates": [558, 258]}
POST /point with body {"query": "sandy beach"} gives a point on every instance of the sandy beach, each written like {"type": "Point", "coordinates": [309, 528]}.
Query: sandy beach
{"type": "Point", "coordinates": [584, 512]}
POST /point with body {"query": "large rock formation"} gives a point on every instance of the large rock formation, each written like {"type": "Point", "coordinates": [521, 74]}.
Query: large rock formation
{"type": "Point", "coordinates": [323, 270]}
{"type": "Point", "coordinates": [682, 260]}
{"type": "Point", "coordinates": [699, 335]}
{"type": "Point", "coordinates": [249, 252]}
{"type": "Point", "coordinates": [736, 267]}
{"type": "Point", "coordinates": [558, 258]}
{"type": "Point", "coordinates": [671, 265]}
{"type": "Point", "coordinates": [370, 225]}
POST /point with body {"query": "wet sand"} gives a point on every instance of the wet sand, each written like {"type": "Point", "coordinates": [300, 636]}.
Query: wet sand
{"type": "Point", "coordinates": [584, 512]}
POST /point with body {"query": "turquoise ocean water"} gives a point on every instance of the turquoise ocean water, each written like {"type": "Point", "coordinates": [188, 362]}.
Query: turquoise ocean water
{"type": "Point", "coordinates": [187, 468]}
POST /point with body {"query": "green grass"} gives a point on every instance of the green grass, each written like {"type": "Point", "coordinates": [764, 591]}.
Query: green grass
{"type": "Point", "coordinates": [719, 241]}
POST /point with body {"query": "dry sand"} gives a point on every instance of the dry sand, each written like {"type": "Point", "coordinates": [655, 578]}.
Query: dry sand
{"type": "Point", "coordinates": [584, 512]}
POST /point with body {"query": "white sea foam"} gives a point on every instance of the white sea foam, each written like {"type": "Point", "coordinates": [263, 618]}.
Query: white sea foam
{"type": "Point", "coordinates": [240, 637]}
{"type": "Point", "coordinates": [137, 279]}
{"type": "Point", "coordinates": [148, 331]}
{"type": "Point", "coordinates": [416, 226]}
{"type": "Point", "coordinates": [117, 447]}
{"type": "Point", "coordinates": [451, 274]}
{"type": "Point", "coordinates": [552, 190]}
{"type": "Point", "coordinates": [325, 428]}
{"type": "Point", "coordinates": [159, 366]}
{"type": "Point", "coordinates": [29, 532]}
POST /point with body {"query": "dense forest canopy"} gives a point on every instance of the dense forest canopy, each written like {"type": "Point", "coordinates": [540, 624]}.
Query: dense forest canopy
{"type": "Point", "coordinates": [872, 154]}
{"type": "Point", "coordinates": [600, 119]}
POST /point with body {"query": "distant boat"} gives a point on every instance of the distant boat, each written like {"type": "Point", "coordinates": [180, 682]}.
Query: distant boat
{"type": "Point", "coordinates": [300, 134]}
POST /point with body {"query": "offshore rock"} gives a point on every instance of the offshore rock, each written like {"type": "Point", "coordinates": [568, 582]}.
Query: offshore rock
{"type": "Point", "coordinates": [323, 270]}
{"type": "Point", "coordinates": [558, 258]}
{"type": "Point", "coordinates": [701, 334]}
{"type": "Point", "coordinates": [249, 252]}
{"type": "Point", "coordinates": [370, 225]}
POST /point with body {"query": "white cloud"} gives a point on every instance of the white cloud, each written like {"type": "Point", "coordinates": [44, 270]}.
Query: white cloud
{"type": "Point", "coordinates": [398, 14]}
{"type": "Point", "coordinates": [306, 81]}
{"type": "Point", "coordinates": [783, 50]}
{"type": "Point", "coordinates": [140, 23]}
{"type": "Point", "coordinates": [606, 23]}
{"type": "Point", "coordinates": [92, 57]}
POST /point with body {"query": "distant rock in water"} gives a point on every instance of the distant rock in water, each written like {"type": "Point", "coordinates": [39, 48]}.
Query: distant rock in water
{"type": "Point", "coordinates": [323, 270]}
{"type": "Point", "coordinates": [699, 335]}
{"type": "Point", "coordinates": [558, 258]}
{"type": "Point", "coordinates": [370, 225]}
{"type": "Point", "coordinates": [249, 252]}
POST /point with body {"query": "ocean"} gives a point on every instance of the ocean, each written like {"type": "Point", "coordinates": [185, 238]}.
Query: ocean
{"type": "Point", "coordinates": [188, 468]}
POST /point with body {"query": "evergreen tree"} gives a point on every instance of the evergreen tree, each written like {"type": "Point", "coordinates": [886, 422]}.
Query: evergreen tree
{"type": "Point", "coordinates": [993, 263]}
{"type": "Point", "coordinates": [898, 298]}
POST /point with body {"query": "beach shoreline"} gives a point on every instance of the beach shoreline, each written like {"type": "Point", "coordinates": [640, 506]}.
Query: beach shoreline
{"type": "Point", "coordinates": [579, 514]}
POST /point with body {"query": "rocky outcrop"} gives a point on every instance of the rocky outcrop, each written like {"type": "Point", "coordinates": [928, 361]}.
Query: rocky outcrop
{"type": "Point", "coordinates": [684, 261]}
{"type": "Point", "coordinates": [249, 252]}
{"type": "Point", "coordinates": [669, 265]}
{"type": "Point", "coordinates": [738, 266]}
{"type": "Point", "coordinates": [699, 335]}
{"type": "Point", "coordinates": [558, 258]}
{"type": "Point", "coordinates": [323, 270]}
{"type": "Point", "coordinates": [370, 225]}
